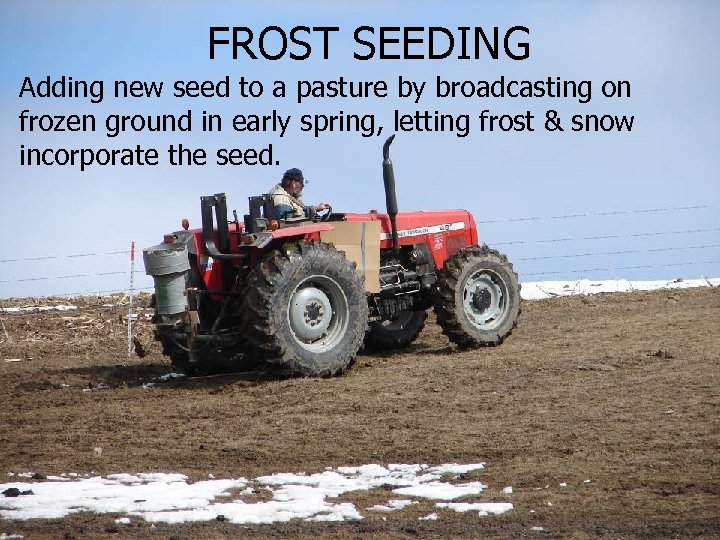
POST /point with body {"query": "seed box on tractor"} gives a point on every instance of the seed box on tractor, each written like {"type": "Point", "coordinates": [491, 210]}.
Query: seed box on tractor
{"type": "Point", "coordinates": [303, 296]}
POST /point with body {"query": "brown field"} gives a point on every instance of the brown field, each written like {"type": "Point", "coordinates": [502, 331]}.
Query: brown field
{"type": "Point", "coordinates": [622, 390]}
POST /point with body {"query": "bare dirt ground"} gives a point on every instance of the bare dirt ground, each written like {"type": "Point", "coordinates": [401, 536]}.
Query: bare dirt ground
{"type": "Point", "coordinates": [622, 390]}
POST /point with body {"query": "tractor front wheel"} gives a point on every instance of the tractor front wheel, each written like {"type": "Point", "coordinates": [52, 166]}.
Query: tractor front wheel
{"type": "Point", "coordinates": [306, 310]}
{"type": "Point", "coordinates": [477, 300]}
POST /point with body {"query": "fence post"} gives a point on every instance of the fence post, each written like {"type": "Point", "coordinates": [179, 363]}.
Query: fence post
{"type": "Point", "coordinates": [130, 307]}
{"type": "Point", "coordinates": [2, 323]}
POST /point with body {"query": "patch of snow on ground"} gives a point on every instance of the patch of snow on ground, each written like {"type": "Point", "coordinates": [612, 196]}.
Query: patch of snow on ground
{"type": "Point", "coordinates": [124, 494]}
{"type": "Point", "coordinates": [454, 468]}
{"type": "Point", "coordinates": [36, 309]}
{"type": "Point", "coordinates": [538, 290]}
{"type": "Point", "coordinates": [172, 377]}
{"type": "Point", "coordinates": [392, 505]}
{"type": "Point", "coordinates": [170, 498]}
{"type": "Point", "coordinates": [443, 491]}
{"type": "Point", "coordinates": [483, 509]}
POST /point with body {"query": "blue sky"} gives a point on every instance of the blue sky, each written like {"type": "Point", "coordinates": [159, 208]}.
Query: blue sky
{"type": "Point", "coordinates": [670, 159]}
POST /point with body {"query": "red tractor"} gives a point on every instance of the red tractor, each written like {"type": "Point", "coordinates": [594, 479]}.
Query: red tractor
{"type": "Point", "coordinates": [303, 296]}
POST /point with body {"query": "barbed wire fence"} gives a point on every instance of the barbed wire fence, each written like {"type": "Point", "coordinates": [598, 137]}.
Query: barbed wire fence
{"type": "Point", "coordinates": [498, 243]}
{"type": "Point", "coordinates": [714, 259]}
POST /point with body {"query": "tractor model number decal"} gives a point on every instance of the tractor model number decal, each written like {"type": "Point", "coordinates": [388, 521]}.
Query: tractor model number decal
{"type": "Point", "coordinates": [458, 225]}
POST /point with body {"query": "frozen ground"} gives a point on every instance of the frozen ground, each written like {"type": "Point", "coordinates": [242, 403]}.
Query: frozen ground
{"type": "Point", "coordinates": [598, 418]}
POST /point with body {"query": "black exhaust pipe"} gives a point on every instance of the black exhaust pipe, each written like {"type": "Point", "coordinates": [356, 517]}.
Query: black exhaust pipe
{"type": "Point", "coordinates": [390, 198]}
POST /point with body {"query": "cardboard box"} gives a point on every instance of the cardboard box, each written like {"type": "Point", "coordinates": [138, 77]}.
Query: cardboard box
{"type": "Point", "coordinates": [360, 240]}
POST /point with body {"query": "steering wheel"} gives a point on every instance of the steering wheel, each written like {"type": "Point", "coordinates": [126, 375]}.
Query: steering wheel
{"type": "Point", "coordinates": [326, 216]}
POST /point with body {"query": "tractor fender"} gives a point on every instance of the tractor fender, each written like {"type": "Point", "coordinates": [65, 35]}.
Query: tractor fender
{"type": "Point", "coordinates": [308, 232]}
{"type": "Point", "coordinates": [301, 230]}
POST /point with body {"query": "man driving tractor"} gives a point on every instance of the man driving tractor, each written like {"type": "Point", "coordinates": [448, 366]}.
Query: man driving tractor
{"type": "Point", "coordinates": [286, 197]}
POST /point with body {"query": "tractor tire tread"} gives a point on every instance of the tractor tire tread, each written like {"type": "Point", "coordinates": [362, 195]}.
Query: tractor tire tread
{"type": "Point", "coordinates": [267, 332]}
{"type": "Point", "coordinates": [449, 314]}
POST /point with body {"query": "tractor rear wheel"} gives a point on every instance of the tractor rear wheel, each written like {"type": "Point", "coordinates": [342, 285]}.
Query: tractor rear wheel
{"type": "Point", "coordinates": [477, 300]}
{"type": "Point", "coordinates": [398, 332]}
{"type": "Point", "coordinates": [306, 310]}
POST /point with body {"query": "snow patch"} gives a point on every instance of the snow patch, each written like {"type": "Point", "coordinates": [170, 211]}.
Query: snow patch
{"type": "Point", "coordinates": [442, 490]}
{"type": "Point", "coordinates": [483, 509]}
{"type": "Point", "coordinates": [392, 505]}
{"type": "Point", "coordinates": [538, 290]}
{"type": "Point", "coordinates": [454, 468]}
{"type": "Point", "coordinates": [171, 498]}
{"type": "Point", "coordinates": [37, 309]}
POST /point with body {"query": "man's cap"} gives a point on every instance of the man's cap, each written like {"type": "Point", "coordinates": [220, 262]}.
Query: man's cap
{"type": "Point", "coordinates": [294, 174]}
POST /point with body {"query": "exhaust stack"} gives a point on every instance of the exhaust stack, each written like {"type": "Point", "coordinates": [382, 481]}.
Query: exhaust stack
{"type": "Point", "coordinates": [390, 198]}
